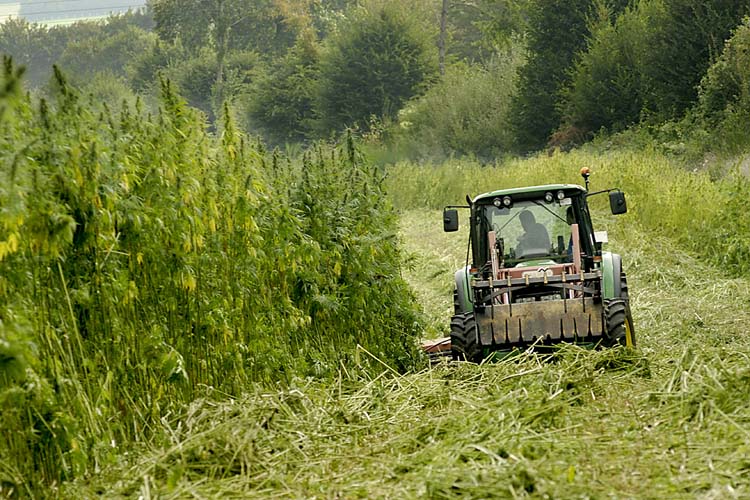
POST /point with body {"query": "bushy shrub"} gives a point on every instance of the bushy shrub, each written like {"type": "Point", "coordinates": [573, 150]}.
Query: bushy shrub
{"type": "Point", "coordinates": [726, 87]}
{"type": "Point", "coordinates": [379, 60]}
{"type": "Point", "coordinates": [465, 113]}
{"type": "Point", "coordinates": [280, 104]}
{"type": "Point", "coordinates": [110, 89]}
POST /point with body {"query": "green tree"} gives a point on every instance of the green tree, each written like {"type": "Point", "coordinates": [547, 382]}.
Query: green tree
{"type": "Point", "coordinates": [223, 27]}
{"type": "Point", "coordinates": [724, 96]}
{"type": "Point", "coordinates": [105, 52]}
{"type": "Point", "coordinates": [280, 104]}
{"type": "Point", "coordinates": [648, 64]}
{"type": "Point", "coordinates": [380, 59]}
{"type": "Point", "coordinates": [687, 38]}
{"type": "Point", "coordinates": [33, 46]}
{"type": "Point", "coordinates": [196, 79]}
{"type": "Point", "coordinates": [478, 27]}
{"type": "Point", "coordinates": [143, 68]}
{"type": "Point", "coordinates": [726, 85]}
{"type": "Point", "coordinates": [557, 31]}
{"type": "Point", "coordinates": [607, 85]}
{"type": "Point", "coordinates": [325, 16]}
{"type": "Point", "coordinates": [84, 48]}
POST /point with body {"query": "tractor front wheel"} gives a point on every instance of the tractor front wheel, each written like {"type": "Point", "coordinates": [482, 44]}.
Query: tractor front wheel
{"type": "Point", "coordinates": [624, 295]}
{"type": "Point", "coordinates": [619, 324]}
{"type": "Point", "coordinates": [464, 344]}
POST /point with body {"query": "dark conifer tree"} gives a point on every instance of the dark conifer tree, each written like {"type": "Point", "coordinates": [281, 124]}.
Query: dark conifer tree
{"type": "Point", "coordinates": [557, 31]}
{"type": "Point", "coordinates": [687, 40]}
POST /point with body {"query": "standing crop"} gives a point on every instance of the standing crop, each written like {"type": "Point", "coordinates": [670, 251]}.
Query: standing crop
{"type": "Point", "coordinates": [144, 262]}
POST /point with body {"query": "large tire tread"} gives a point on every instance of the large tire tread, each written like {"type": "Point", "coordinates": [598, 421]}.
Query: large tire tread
{"type": "Point", "coordinates": [618, 321]}
{"type": "Point", "coordinates": [464, 342]}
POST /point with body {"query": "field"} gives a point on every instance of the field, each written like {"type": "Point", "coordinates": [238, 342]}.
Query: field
{"type": "Point", "coordinates": [188, 309]}
{"type": "Point", "coordinates": [188, 314]}
{"type": "Point", "coordinates": [667, 420]}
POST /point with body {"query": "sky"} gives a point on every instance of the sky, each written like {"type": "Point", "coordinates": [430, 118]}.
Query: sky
{"type": "Point", "coordinates": [62, 10]}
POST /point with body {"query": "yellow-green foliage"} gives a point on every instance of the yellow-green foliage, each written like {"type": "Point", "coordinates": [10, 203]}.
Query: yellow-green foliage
{"type": "Point", "coordinates": [709, 217]}
{"type": "Point", "coordinates": [144, 261]}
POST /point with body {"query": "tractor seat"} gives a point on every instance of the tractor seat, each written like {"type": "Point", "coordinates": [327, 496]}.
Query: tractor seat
{"type": "Point", "coordinates": [536, 263]}
{"type": "Point", "coordinates": [532, 253]}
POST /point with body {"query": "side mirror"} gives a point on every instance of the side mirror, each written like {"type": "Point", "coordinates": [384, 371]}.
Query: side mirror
{"type": "Point", "coordinates": [450, 220]}
{"type": "Point", "coordinates": [617, 202]}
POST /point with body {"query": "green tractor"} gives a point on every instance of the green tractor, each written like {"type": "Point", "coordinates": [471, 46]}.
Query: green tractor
{"type": "Point", "coordinates": [538, 275]}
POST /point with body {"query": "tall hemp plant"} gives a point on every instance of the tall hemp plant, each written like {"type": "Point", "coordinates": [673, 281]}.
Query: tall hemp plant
{"type": "Point", "coordinates": [145, 262]}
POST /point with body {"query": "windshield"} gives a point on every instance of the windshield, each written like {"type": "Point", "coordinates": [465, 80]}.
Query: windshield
{"type": "Point", "coordinates": [532, 229]}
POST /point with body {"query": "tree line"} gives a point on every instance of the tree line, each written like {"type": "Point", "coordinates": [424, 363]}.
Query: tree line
{"type": "Point", "coordinates": [434, 77]}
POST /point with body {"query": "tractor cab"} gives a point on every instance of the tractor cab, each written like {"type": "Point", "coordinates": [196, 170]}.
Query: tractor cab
{"type": "Point", "coordinates": [539, 226]}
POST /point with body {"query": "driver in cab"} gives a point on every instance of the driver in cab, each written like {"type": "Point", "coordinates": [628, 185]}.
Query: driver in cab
{"type": "Point", "coordinates": [535, 239]}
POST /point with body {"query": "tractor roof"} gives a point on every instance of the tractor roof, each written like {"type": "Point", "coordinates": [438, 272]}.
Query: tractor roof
{"type": "Point", "coordinates": [530, 191]}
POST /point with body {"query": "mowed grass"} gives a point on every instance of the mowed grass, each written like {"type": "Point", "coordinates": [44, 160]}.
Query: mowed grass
{"type": "Point", "coordinates": [432, 258]}
{"type": "Point", "coordinates": [668, 420]}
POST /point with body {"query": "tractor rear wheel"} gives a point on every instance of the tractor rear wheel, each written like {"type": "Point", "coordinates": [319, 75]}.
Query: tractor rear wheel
{"type": "Point", "coordinates": [619, 325]}
{"type": "Point", "coordinates": [464, 345]}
